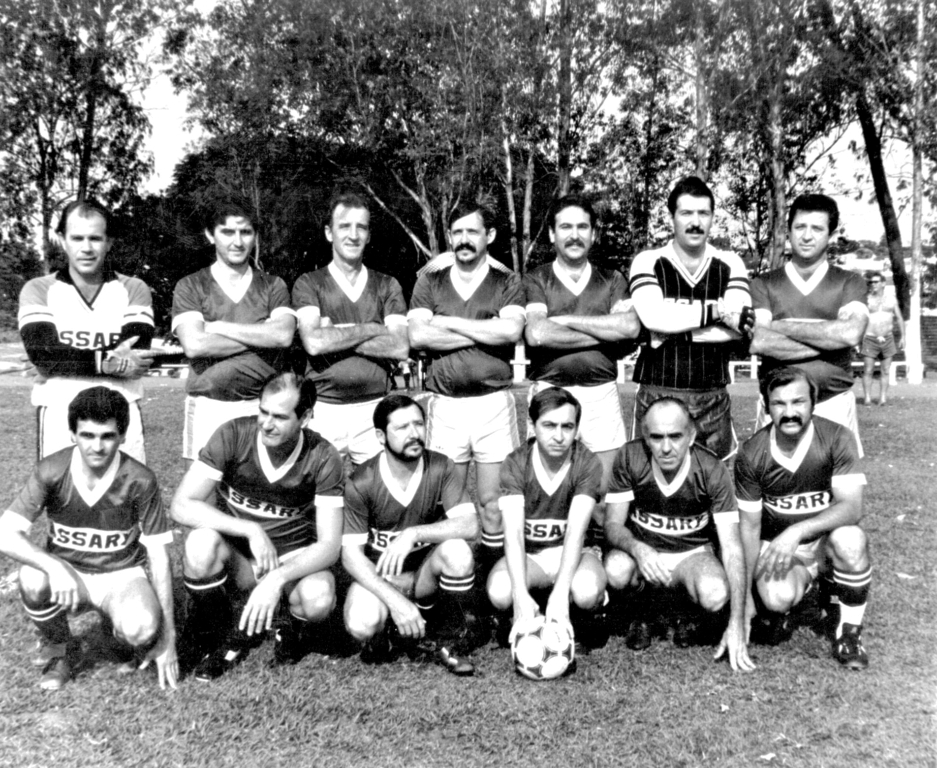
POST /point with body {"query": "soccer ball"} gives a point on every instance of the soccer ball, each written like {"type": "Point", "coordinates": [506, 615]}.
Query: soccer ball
{"type": "Point", "coordinates": [543, 650]}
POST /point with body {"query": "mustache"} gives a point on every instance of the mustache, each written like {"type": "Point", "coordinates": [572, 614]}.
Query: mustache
{"type": "Point", "coordinates": [415, 441]}
{"type": "Point", "coordinates": [575, 241]}
{"type": "Point", "coordinates": [466, 247]}
{"type": "Point", "coordinates": [695, 231]}
{"type": "Point", "coordinates": [792, 420]}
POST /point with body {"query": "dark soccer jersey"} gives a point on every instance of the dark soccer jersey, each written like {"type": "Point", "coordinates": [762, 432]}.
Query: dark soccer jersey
{"type": "Point", "coordinates": [377, 510]}
{"type": "Point", "coordinates": [547, 500]}
{"type": "Point", "coordinates": [676, 516]}
{"type": "Point", "coordinates": [101, 529]}
{"type": "Point", "coordinates": [545, 289]}
{"type": "Point", "coordinates": [788, 297]}
{"type": "Point", "coordinates": [787, 490]}
{"type": "Point", "coordinates": [241, 376]}
{"type": "Point", "coordinates": [122, 303]}
{"type": "Point", "coordinates": [347, 377]}
{"type": "Point", "coordinates": [479, 369]}
{"type": "Point", "coordinates": [682, 364]}
{"type": "Point", "coordinates": [282, 499]}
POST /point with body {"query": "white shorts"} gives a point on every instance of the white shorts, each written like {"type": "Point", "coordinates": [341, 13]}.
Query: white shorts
{"type": "Point", "coordinates": [483, 427]}
{"type": "Point", "coordinates": [602, 427]}
{"type": "Point", "coordinates": [549, 559]}
{"type": "Point", "coordinates": [53, 433]}
{"type": "Point", "coordinates": [673, 559]}
{"type": "Point", "coordinates": [808, 555]}
{"type": "Point", "coordinates": [349, 427]}
{"type": "Point", "coordinates": [203, 416]}
{"type": "Point", "coordinates": [840, 408]}
{"type": "Point", "coordinates": [100, 586]}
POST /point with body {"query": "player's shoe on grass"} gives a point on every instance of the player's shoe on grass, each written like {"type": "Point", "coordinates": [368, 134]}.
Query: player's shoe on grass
{"type": "Point", "coordinates": [686, 632]}
{"type": "Point", "coordinates": [639, 636]}
{"type": "Point", "coordinates": [59, 669]}
{"type": "Point", "coordinates": [772, 629]}
{"type": "Point", "coordinates": [219, 662]}
{"type": "Point", "coordinates": [379, 649]}
{"type": "Point", "coordinates": [592, 630]}
{"type": "Point", "coordinates": [848, 650]}
{"type": "Point", "coordinates": [288, 648]}
{"type": "Point", "coordinates": [454, 662]}
{"type": "Point", "coordinates": [44, 654]}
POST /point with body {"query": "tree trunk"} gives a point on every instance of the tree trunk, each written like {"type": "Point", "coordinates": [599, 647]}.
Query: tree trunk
{"type": "Point", "coordinates": [527, 239]}
{"type": "Point", "coordinates": [778, 181]}
{"type": "Point", "coordinates": [702, 102]}
{"type": "Point", "coordinates": [509, 194]}
{"type": "Point", "coordinates": [912, 342]}
{"type": "Point", "coordinates": [563, 154]}
{"type": "Point", "coordinates": [886, 206]}
{"type": "Point", "coordinates": [94, 87]}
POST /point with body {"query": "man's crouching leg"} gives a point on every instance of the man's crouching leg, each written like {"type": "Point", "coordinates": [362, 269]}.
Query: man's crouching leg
{"type": "Point", "coordinates": [57, 649]}
{"type": "Point", "coordinates": [707, 588]}
{"type": "Point", "coordinates": [310, 602]}
{"type": "Point", "coordinates": [134, 614]}
{"type": "Point", "coordinates": [366, 621]}
{"type": "Point", "coordinates": [848, 549]}
{"type": "Point", "coordinates": [588, 596]}
{"type": "Point", "coordinates": [452, 567]}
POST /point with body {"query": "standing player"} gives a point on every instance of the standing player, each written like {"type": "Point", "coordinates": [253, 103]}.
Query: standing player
{"type": "Point", "coordinates": [234, 323]}
{"type": "Point", "coordinates": [353, 326]}
{"type": "Point", "coordinates": [579, 323]}
{"type": "Point", "coordinates": [800, 495]}
{"type": "Point", "coordinates": [408, 523]}
{"type": "Point", "coordinates": [810, 314]}
{"type": "Point", "coordinates": [549, 487]}
{"type": "Point", "coordinates": [85, 326]}
{"type": "Point", "coordinates": [264, 501]}
{"type": "Point", "coordinates": [665, 498]}
{"type": "Point", "coordinates": [468, 318]}
{"type": "Point", "coordinates": [879, 340]}
{"type": "Point", "coordinates": [105, 519]}
{"type": "Point", "coordinates": [691, 297]}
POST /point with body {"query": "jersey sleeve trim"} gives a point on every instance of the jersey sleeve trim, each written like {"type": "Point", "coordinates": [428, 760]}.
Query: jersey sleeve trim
{"type": "Point", "coordinates": [511, 503]}
{"type": "Point", "coordinates": [392, 321]}
{"type": "Point", "coordinates": [727, 516]}
{"type": "Point", "coordinates": [278, 312]}
{"type": "Point", "coordinates": [354, 539]}
{"type": "Point", "coordinates": [330, 502]}
{"type": "Point", "coordinates": [511, 311]}
{"type": "Point", "coordinates": [536, 306]}
{"type": "Point", "coordinates": [17, 522]}
{"type": "Point", "coordinates": [461, 510]}
{"type": "Point", "coordinates": [163, 539]}
{"type": "Point", "coordinates": [619, 497]}
{"type": "Point", "coordinates": [752, 507]}
{"type": "Point", "coordinates": [187, 317]}
{"type": "Point", "coordinates": [848, 481]}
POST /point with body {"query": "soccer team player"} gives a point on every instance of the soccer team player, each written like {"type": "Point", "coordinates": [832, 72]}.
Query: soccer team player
{"type": "Point", "coordinates": [799, 484]}
{"type": "Point", "coordinates": [268, 507]}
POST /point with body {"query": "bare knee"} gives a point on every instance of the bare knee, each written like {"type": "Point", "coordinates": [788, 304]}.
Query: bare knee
{"type": "Point", "coordinates": [588, 587]}
{"type": "Point", "coordinates": [313, 598]}
{"type": "Point", "coordinates": [363, 619]}
{"type": "Point", "coordinates": [712, 593]}
{"type": "Point", "coordinates": [620, 569]}
{"type": "Point", "coordinates": [204, 552]}
{"type": "Point", "coordinates": [137, 623]}
{"type": "Point", "coordinates": [34, 584]}
{"type": "Point", "coordinates": [849, 548]}
{"type": "Point", "coordinates": [455, 557]}
{"type": "Point", "coordinates": [499, 589]}
{"type": "Point", "coordinates": [778, 596]}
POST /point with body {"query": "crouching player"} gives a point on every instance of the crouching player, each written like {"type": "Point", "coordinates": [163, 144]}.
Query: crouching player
{"type": "Point", "coordinates": [408, 523]}
{"type": "Point", "coordinates": [264, 501]}
{"type": "Point", "coordinates": [666, 497]}
{"type": "Point", "coordinates": [105, 519]}
{"type": "Point", "coordinates": [800, 496]}
{"type": "Point", "coordinates": [549, 487]}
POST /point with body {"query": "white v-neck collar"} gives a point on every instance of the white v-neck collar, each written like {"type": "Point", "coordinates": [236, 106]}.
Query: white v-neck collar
{"type": "Point", "coordinates": [92, 496]}
{"type": "Point", "coordinates": [575, 287]}
{"type": "Point", "coordinates": [467, 290]}
{"type": "Point", "coordinates": [549, 484]}
{"type": "Point", "coordinates": [792, 463]}
{"type": "Point", "coordinates": [701, 269]}
{"type": "Point", "coordinates": [236, 291]}
{"type": "Point", "coordinates": [352, 290]}
{"type": "Point", "coordinates": [402, 495]}
{"type": "Point", "coordinates": [272, 473]}
{"type": "Point", "coordinates": [669, 489]}
{"type": "Point", "coordinates": [806, 287]}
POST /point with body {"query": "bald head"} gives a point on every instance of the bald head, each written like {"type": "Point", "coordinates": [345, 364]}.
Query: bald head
{"type": "Point", "coordinates": [668, 431]}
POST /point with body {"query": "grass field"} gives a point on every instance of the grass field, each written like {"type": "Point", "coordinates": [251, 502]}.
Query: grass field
{"type": "Point", "coordinates": [665, 707]}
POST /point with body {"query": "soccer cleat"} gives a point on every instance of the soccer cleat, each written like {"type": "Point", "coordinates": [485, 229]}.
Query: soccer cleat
{"type": "Point", "coordinates": [57, 671]}
{"type": "Point", "coordinates": [772, 629]}
{"type": "Point", "coordinates": [685, 633]}
{"type": "Point", "coordinates": [848, 650]}
{"type": "Point", "coordinates": [593, 631]}
{"type": "Point", "coordinates": [639, 636]}
{"type": "Point", "coordinates": [287, 648]}
{"type": "Point", "coordinates": [457, 665]}
{"type": "Point", "coordinates": [44, 654]}
{"type": "Point", "coordinates": [219, 662]}
{"type": "Point", "coordinates": [379, 649]}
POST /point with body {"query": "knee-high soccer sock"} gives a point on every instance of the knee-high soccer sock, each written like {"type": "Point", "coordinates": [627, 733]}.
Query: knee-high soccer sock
{"type": "Point", "coordinates": [211, 605]}
{"type": "Point", "coordinates": [52, 622]}
{"type": "Point", "coordinates": [456, 603]}
{"type": "Point", "coordinates": [852, 589]}
{"type": "Point", "coordinates": [490, 551]}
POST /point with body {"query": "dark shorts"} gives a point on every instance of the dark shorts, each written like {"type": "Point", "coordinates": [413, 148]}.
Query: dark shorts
{"type": "Point", "coordinates": [879, 347]}
{"type": "Point", "coordinates": [710, 409]}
